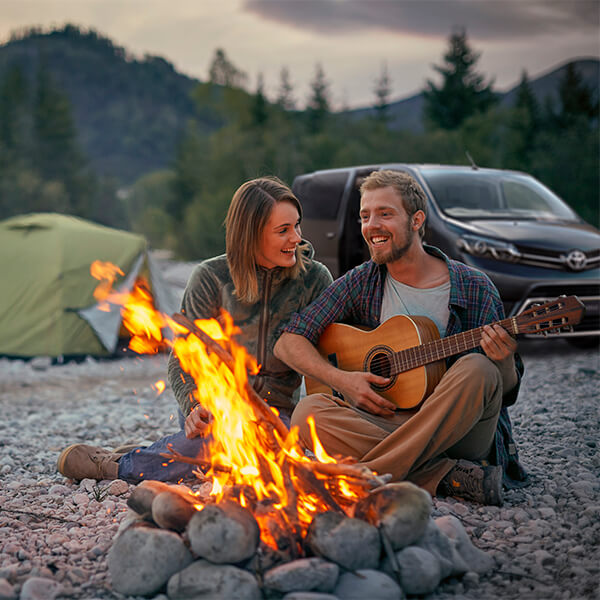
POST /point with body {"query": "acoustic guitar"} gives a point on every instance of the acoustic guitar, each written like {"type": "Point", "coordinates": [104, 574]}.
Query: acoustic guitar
{"type": "Point", "coordinates": [409, 350]}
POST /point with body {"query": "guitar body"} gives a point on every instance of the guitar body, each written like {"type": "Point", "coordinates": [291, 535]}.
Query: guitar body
{"type": "Point", "coordinates": [354, 349]}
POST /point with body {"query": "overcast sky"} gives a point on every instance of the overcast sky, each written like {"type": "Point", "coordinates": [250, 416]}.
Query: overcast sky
{"type": "Point", "coordinates": [351, 39]}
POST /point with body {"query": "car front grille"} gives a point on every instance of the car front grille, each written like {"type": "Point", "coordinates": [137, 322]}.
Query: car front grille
{"type": "Point", "coordinates": [565, 261]}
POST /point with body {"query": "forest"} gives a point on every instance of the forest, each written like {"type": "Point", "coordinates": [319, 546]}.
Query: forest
{"type": "Point", "coordinates": [223, 133]}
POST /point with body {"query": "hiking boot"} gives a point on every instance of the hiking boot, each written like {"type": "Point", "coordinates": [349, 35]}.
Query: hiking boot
{"type": "Point", "coordinates": [81, 461]}
{"type": "Point", "coordinates": [475, 482]}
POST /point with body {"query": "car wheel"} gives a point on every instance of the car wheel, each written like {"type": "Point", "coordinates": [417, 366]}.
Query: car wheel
{"type": "Point", "coordinates": [587, 342]}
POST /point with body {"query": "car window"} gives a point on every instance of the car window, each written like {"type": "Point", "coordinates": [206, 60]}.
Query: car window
{"type": "Point", "coordinates": [494, 194]}
{"type": "Point", "coordinates": [320, 194]}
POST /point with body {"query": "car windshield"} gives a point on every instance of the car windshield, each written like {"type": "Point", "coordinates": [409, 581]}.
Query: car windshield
{"type": "Point", "coordinates": [495, 195]}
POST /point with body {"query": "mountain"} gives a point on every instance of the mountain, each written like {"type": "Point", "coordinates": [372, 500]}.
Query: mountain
{"type": "Point", "coordinates": [129, 113]}
{"type": "Point", "coordinates": [406, 114]}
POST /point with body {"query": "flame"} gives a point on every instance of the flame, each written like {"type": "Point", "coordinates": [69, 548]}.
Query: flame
{"type": "Point", "coordinates": [245, 459]}
{"type": "Point", "coordinates": [159, 386]}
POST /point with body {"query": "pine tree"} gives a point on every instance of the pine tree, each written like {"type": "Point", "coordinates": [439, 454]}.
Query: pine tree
{"type": "Point", "coordinates": [576, 98]}
{"type": "Point", "coordinates": [285, 97]}
{"type": "Point", "coordinates": [382, 95]}
{"type": "Point", "coordinates": [58, 157]}
{"type": "Point", "coordinates": [14, 109]}
{"type": "Point", "coordinates": [223, 72]}
{"type": "Point", "coordinates": [318, 107]}
{"type": "Point", "coordinates": [259, 104]}
{"type": "Point", "coordinates": [463, 91]}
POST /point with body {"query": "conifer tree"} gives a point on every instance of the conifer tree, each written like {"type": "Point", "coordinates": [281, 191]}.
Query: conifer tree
{"type": "Point", "coordinates": [318, 107]}
{"type": "Point", "coordinates": [285, 97]}
{"type": "Point", "coordinates": [223, 72]}
{"type": "Point", "coordinates": [259, 104]}
{"type": "Point", "coordinates": [463, 91]}
{"type": "Point", "coordinates": [382, 91]}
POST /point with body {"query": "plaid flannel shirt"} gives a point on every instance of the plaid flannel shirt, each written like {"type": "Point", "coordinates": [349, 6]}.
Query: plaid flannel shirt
{"type": "Point", "coordinates": [356, 298]}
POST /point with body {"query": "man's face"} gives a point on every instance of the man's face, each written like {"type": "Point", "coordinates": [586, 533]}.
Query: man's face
{"type": "Point", "coordinates": [385, 225]}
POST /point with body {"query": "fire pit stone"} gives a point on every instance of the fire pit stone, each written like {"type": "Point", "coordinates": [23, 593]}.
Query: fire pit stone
{"type": "Point", "coordinates": [143, 558]}
{"type": "Point", "coordinates": [367, 583]}
{"type": "Point", "coordinates": [401, 509]}
{"type": "Point", "coordinates": [304, 574]}
{"type": "Point", "coordinates": [351, 543]}
{"type": "Point", "coordinates": [477, 559]}
{"type": "Point", "coordinates": [202, 579]}
{"type": "Point", "coordinates": [223, 533]}
{"type": "Point", "coordinates": [420, 570]}
{"type": "Point", "coordinates": [441, 546]}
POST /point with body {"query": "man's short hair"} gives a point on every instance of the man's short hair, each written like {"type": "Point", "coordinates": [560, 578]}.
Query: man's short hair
{"type": "Point", "coordinates": [411, 193]}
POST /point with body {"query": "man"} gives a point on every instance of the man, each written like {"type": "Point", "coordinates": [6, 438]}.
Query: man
{"type": "Point", "coordinates": [448, 443]}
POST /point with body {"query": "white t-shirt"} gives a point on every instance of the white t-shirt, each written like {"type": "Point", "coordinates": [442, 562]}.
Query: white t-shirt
{"type": "Point", "coordinates": [401, 299]}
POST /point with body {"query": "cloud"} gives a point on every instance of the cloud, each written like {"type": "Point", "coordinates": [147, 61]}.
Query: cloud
{"type": "Point", "coordinates": [489, 19]}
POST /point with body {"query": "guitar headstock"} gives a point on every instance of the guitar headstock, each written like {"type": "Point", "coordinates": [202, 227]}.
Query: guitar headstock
{"type": "Point", "coordinates": [565, 311]}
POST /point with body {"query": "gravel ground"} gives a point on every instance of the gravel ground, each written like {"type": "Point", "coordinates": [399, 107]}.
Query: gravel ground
{"type": "Point", "coordinates": [545, 540]}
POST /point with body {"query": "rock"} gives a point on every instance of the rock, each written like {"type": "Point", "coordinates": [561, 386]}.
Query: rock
{"type": "Point", "coordinates": [420, 570]}
{"type": "Point", "coordinates": [401, 509]}
{"type": "Point", "coordinates": [40, 588]}
{"type": "Point", "coordinates": [40, 363]}
{"type": "Point", "coordinates": [118, 487]}
{"type": "Point", "coordinates": [445, 549]}
{"type": "Point", "coordinates": [309, 596]}
{"type": "Point", "coordinates": [203, 580]}
{"type": "Point", "coordinates": [351, 543]}
{"type": "Point", "coordinates": [7, 591]}
{"type": "Point", "coordinates": [140, 499]}
{"type": "Point", "coordinates": [367, 583]}
{"type": "Point", "coordinates": [477, 559]}
{"type": "Point", "coordinates": [304, 574]}
{"type": "Point", "coordinates": [223, 533]}
{"type": "Point", "coordinates": [142, 559]}
{"type": "Point", "coordinates": [172, 511]}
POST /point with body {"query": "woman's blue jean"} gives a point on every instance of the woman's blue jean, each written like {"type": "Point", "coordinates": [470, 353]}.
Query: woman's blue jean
{"type": "Point", "coordinates": [147, 462]}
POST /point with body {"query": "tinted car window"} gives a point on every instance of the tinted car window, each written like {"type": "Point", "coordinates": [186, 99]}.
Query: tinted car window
{"type": "Point", "coordinates": [472, 195]}
{"type": "Point", "coordinates": [320, 195]}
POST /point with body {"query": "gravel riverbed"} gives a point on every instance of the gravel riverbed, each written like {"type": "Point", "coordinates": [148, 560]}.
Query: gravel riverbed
{"type": "Point", "coordinates": [55, 534]}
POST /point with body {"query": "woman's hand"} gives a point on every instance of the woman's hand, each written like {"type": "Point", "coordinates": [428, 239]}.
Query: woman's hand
{"type": "Point", "coordinates": [197, 422]}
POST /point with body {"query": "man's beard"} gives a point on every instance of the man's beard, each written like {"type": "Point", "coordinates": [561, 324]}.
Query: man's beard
{"type": "Point", "coordinates": [395, 253]}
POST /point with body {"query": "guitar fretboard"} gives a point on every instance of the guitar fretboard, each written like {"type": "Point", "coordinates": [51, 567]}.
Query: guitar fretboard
{"type": "Point", "coordinates": [411, 358]}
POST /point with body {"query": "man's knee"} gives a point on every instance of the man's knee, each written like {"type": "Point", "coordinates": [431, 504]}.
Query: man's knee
{"type": "Point", "coordinates": [479, 366]}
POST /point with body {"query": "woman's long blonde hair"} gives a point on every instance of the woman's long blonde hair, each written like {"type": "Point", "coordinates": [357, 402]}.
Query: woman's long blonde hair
{"type": "Point", "coordinates": [247, 216]}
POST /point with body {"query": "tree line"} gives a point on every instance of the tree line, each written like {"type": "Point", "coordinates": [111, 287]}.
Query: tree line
{"type": "Point", "coordinates": [183, 206]}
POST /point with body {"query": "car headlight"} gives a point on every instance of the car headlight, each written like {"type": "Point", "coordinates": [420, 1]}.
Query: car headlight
{"type": "Point", "coordinates": [481, 246]}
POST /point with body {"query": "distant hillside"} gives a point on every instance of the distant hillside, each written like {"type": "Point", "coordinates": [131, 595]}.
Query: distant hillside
{"type": "Point", "coordinates": [406, 114]}
{"type": "Point", "coordinates": [129, 113]}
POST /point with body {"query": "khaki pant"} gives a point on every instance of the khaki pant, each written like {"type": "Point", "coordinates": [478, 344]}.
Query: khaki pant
{"type": "Point", "coordinates": [458, 420]}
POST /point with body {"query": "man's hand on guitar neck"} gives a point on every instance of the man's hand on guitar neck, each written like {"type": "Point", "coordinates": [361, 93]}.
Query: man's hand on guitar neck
{"type": "Point", "coordinates": [500, 347]}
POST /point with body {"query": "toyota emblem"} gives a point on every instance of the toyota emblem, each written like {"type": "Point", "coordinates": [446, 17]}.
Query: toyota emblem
{"type": "Point", "coordinates": [576, 260]}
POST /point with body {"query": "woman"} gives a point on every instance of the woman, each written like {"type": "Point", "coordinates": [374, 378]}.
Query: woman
{"type": "Point", "coordinates": [266, 274]}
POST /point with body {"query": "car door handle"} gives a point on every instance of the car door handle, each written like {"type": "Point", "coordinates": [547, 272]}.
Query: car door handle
{"type": "Point", "coordinates": [330, 235]}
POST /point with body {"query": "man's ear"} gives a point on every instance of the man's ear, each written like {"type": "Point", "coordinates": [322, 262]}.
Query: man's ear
{"type": "Point", "coordinates": [417, 220]}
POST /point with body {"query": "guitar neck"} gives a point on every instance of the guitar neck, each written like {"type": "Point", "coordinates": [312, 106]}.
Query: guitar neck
{"type": "Point", "coordinates": [411, 358]}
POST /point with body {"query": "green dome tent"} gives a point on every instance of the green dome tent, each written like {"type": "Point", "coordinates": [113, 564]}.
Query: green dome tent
{"type": "Point", "coordinates": [47, 307]}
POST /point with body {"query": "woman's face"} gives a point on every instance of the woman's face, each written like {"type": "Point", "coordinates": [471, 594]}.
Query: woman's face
{"type": "Point", "coordinates": [280, 237]}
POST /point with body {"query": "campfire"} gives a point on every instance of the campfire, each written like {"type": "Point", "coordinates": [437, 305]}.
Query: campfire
{"type": "Point", "coordinates": [269, 502]}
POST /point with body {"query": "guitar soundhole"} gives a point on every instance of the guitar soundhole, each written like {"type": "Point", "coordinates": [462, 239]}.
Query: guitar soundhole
{"type": "Point", "coordinates": [378, 362]}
